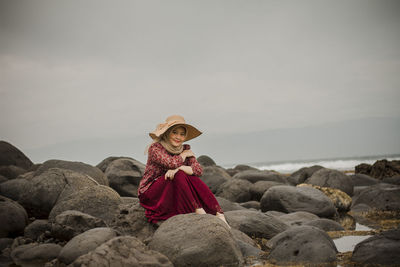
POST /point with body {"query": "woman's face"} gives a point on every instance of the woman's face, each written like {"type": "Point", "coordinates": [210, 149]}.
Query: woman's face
{"type": "Point", "coordinates": [177, 136]}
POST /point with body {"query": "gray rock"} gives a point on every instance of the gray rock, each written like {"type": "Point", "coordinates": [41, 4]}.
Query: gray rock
{"type": "Point", "coordinates": [39, 194]}
{"type": "Point", "coordinates": [288, 199]}
{"type": "Point", "coordinates": [325, 225]}
{"type": "Point", "coordinates": [214, 176]}
{"type": "Point", "coordinates": [298, 218]}
{"type": "Point", "coordinates": [239, 168]}
{"type": "Point", "coordinates": [131, 220]}
{"type": "Point", "coordinates": [122, 251]}
{"type": "Point", "coordinates": [10, 155]}
{"type": "Point", "coordinates": [11, 171]}
{"type": "Point", "coordinates": [360, 179]}
{"type": "Point", "coordinates": [5, 242]}
{"type": "Point", "coordinates": [79, 167]}
{"type": "Point", "coordinates": [206, 161]}
{"type": "Point", "coordinates": [332, 178]}
{"type": "Point", "coordinates": [3, 179]}
{"type": "Point", "coordinates": [255, 223]}
{"type": "Point", "coordinates": [36, 229]}
{"type": "Point", "coordinates": [302, 244]}
{"type": "Point", "coordinates": [130, 200]}
{"type": "Point", "coordinates": [71, 223]}
{"type": "Point", "coordinates": [227, 205]}
{"type": "Point", "coordinates": [254, 176]}
{"type": "Point", "coordinates": [258, 189]}
{"type": "Point", "coordinates": [84, 243]}
{"type": "Point", "coordinates": [99, 201]}
{"type": "Point", "coordinates": [197, 240]}
{"type": "Point", "coordinates": [235, 190]}
{"type": "Point", "coordinates": [251, 205]}
{"type": "Point", "coordinates": [303, 174]}
{"type": "Point", "coordinates": [35, 254]}
{"type": "Point", "coordinates": [392, 180]}
{"type": "Point", "coordinates": [13, 218]}
{"type": "Point", "coordinates": [382, 249]}
{"type": "Point", "coordinates": [380, 196]}
{"type": "Point", "coordinates": [124, 176]}
{"type": "Point", "coordinates": [104, 163]}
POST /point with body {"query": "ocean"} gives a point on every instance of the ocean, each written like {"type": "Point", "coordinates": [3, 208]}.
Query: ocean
{"type": "Point", "coordinates": [341, 164]}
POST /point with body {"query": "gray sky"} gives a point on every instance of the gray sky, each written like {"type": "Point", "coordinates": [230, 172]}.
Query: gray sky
{"type": "Point", "coordinates": [82, 69]}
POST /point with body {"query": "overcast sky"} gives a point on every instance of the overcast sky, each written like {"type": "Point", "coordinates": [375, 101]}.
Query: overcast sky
{"type": "Point", "coordinates": [81, 69]}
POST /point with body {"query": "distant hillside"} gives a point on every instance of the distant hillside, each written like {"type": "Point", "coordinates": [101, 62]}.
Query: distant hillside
{"type": "Point", "coordinates": [377, 136]}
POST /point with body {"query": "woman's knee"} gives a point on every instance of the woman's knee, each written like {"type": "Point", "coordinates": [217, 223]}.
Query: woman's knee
{"type": "Point", "coordinates": [180, 176]}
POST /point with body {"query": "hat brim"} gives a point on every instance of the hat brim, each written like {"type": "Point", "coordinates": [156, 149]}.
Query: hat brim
{"type": "Point", "coordinates": [192, 132]}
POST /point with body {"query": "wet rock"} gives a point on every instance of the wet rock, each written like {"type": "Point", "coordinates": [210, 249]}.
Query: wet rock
{"type": "Point", "coordinates": [13, 218]}
{"type": "Point", "coordinates": [197, 240]}
{"type": "Point", "coordinates": [325, 225]}
{"type": "Point", "coordinates": [288, 199]}
{"type": "Point", "coordinates": [122, 251]}
{"type": "Point", "coordinates": [360, 179]}
{"type": "Point", "coordinates": [258, 189]}
{"type": "Point", "coordinates": [380, 196]}
{"type": "Point", "coordinates": [227, 205]}
{"type": "Point", "coordinates": [255, 223]}
{"type": "Point", "coordinates": [99, 201]}
{"type": "Point", "coordinates": [254, 176]}
{"type": "Point", "coordinates": [380, 169]}
{"type": "Point", "coordinates": [297, 218]}
{"type": "Point", "coordinates": [214, 176]}
{"type": "Point", "coordinates": [71, 223]}
{"type": "Point", "coordinates": [235, 190]}
{"type": "Point", "coordinates": [340, 199]}
{"type": "Point", "coordinates": [35, 254]}
{"type": "Point", "coordinates": [36, 229]}
{"type": "Point", "coordinates": [303, 174]}
{"type": "Point", "coordinates": [331, 178]}
{"type": "Point", "coordinates": [78, 167]}
{"type": "Point", "coordinates": [124, 176]}
{"type": "Point", "coordinates": [302, 244]}
{"type": "Point", "coordinates": [41, 193]}
{"type": "Point", "coordinates": [251, 205]}
{"type": "Point", "coordinates": [131, 220]}
{"type": "Point", "coordinates": [84, 243]}
{"type": "Point", "coordinates": [10, 155]}
{"type": "Point", "coordinates": [206, 161]}
{"type": "Point", "coordinates": [382, 249]}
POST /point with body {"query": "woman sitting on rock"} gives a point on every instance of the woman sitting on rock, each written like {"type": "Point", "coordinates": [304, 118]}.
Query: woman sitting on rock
{"type": "Point", "coordinates": [171, 183]}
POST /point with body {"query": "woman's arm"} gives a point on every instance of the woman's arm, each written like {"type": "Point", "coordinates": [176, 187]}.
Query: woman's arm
{"type": "Point", "coordinates": [197, 170]}
{"type": "Point", "coordinates": [159, 155]}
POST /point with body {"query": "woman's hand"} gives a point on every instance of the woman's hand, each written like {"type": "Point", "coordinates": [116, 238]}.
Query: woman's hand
{"type": "Point", "coordinates": [186, 154]}
{"type": "Point", "coordinates": [170, 174]}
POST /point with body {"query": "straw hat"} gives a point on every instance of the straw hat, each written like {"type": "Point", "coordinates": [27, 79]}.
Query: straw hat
{"type": "Point", "coordinates": [173, 120]}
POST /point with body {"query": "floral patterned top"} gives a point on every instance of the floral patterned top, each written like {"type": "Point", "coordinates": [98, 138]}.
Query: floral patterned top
{"type": "Point", "coordinates": [159, 161]}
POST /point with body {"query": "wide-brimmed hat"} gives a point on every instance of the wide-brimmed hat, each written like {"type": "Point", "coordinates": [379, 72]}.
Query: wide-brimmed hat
{"type": "Point", "coordinates": [191, 131]}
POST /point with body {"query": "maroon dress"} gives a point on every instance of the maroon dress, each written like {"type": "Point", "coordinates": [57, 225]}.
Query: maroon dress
{"type": "Point", "coordinates": [162, 198]}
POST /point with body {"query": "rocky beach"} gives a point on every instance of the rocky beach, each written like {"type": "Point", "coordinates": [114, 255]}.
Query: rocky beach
{"type": "Point", "coordinates": [64, 213]}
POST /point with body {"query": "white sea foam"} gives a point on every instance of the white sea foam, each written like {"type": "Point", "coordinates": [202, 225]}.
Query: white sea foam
{"type": "Point", "coordinates": [337, 164]}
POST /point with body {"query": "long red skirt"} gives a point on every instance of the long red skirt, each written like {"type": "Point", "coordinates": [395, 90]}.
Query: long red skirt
{"type": "Point", "coordinates": [185, 193]}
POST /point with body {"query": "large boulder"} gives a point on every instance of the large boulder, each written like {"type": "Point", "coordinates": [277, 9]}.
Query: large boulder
{"type": "Point", "coordinates": [380, 196]}
{"type": "Point", "coordinates": [104, 163]}
{"type": "Point", "coordinates": [99, 201]}
{"type": "Point", "coordinates": [227, 205]}
{"type": "Point", "coordinates": [254, 176]}
{"type": "Point", "coordinates": [124, 176]}
{"type": "Point", "coordinates": [303, 174]}
{"type": "Point", "coordinates": [206, 161]}
{"type": "Point", "coordinates": [302, 244]}
{"type": "Point", "coordinates": [380, 169]}
{"type": "Point", "coordinates": [383, 249]}
{"type": "Point", "coordinates": [84, 243]}
{"type": "Point", "coordinates": [10, 155]}
{"type": "Point", "coordinates": [332, 178]}
{"type": "Point", "coordinates": [37, 229]}
{"type": "Point", "coordinates": [297, 218]}
{"type": "Point", "coordinates": [240, 168]}
{"type": "Point", "coordinates": [255, 223]}
{"type": "Point", "coordinates": [258, 189]}
{"type": "Point", "coordinates": [13, 218]}
{"type": "Point", "coordinates": [197, 240]}
{"type": "Point", "coordinates": [35, 254]}
{"type": "Point", "coordinates": [11, 171]}
{"type": "Point", "coordinates": [235, 190]}
{"type": "Point", "coordinates": [79, 167]}
{"type": "Point", "coordinates": [214, 176]}
{"type": "Point", "coordinates": [288, 199]}
{"type": "Point", "coordinates": [392, 180]}
{"type": "Point", "coordinates": [131, 220]}
{"type": "Point", "coordinates": [122, 251]}
{"type": "Point", "coordinates": [360, 179]}
{"type": "Point", "coordinates": [71, 223]}
{"type": "Point", "coordinates": [41, 193]}
{"type": "Point", "coordinates": [326, 225]}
